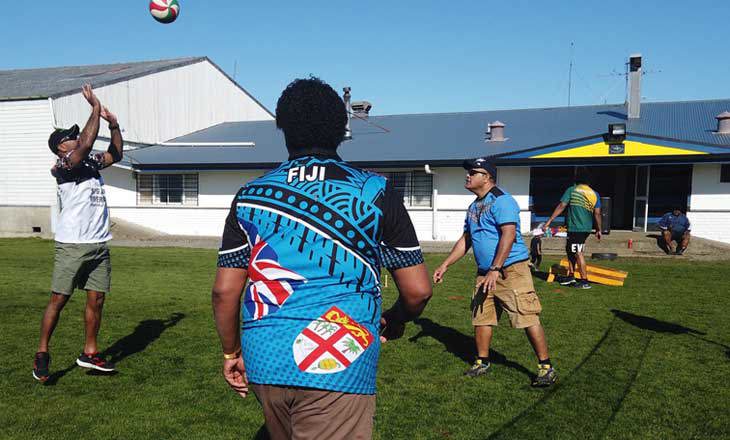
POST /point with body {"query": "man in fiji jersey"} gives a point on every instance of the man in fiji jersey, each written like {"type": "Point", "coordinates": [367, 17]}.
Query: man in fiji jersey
{"type": "Point", "coordinates": [504, 280]}
{"type": "Point", "coordinates": [584, 206]}
{"type": "Point", "coordinates": [82, 231]}
{"type": "Point", "coordinates": [307, 241]}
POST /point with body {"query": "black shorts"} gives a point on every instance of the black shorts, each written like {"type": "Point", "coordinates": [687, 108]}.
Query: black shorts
{"type": "Point", "coordinates": [576, 242]}
{"type": "Point", "coordinates": [678, 236]}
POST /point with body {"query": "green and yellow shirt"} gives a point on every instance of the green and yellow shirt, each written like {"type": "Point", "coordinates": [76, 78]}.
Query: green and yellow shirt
{"type": "Point", "coordinates": [581, 200]}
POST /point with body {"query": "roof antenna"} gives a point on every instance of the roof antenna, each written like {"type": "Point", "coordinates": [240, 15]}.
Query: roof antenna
{"type": "Point", "coordinates": [570, 73]}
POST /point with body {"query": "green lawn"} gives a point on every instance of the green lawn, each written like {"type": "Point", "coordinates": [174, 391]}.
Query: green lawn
{"type": "Point", "coordinates": [648, 360]}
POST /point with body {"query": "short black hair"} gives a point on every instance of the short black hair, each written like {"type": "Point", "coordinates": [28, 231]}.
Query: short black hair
{"type": "Point", "coordinates": [583, 175]}
{"type": "Point", "coordinates": [312, 116]}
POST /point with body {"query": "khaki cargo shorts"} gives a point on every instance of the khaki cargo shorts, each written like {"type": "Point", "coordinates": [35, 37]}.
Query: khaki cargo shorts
{"type": "Point", "coordinates": [81, 265]}
{"type": "Point", "coordinates": [514, 294]}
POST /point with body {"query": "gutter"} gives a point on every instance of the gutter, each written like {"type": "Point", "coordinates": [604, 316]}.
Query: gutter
{"type": "Point", "coordinates": [207, 144]}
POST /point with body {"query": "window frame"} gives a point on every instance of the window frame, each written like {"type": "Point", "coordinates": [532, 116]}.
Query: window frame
{"type": "Point", "coordinates": [417, 185]}
{"type": "Point", "coordinates": [150, 189]}
{"type": "Point", "coordinates": [725, 173]}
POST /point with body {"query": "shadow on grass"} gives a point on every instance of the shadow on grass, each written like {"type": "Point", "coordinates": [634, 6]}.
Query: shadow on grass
{"type": "Point", "coordinates": [144, 334]}
{"type": "Point", "coordinates": [655, 325]}
{"type": "Point", "coordinates": [587, 401]}
{"type": "Point", "coordinates": [461, 345]}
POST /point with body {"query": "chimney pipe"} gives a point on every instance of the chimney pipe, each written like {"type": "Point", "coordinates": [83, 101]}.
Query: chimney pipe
{"type": "Point", "coordinates": [634, 98]}
{"type": "Point", "coordinates": [348, 110]}
{"type": "Point", "coordinates": [723, 123]}
{"type": "Point", "coordinates": [496, 131]}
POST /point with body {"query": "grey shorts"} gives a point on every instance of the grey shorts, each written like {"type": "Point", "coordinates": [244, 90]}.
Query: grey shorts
{"type": "Point", "coordinates": [81, 265]}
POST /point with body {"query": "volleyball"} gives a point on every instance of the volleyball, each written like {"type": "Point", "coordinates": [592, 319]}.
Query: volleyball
{"type": "Point", "coordinates": [165, 11]}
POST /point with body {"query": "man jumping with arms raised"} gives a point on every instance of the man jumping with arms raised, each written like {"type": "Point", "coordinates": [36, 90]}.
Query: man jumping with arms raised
{"type": "Point", "coordinates": [82, 231]}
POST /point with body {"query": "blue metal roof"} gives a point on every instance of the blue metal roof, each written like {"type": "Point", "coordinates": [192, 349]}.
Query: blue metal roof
{"type": "Point", "coordinates": [445, 138]}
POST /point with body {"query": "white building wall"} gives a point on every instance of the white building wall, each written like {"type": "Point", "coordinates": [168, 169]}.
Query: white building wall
{"type": "Point", "coordinates": [216, 191]}
{"type": "Point", "coordinates": [165, 105]}
{"type": "Point", "coordinates": [25, 160]}
{"type": "Point", "coordinates": [453, 200]}
{"type": "Point", "coordinates": [709, 210]}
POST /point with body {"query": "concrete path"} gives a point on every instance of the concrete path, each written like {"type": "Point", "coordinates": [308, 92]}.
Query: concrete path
{"type": "Point", "coordinates": [643, 244]}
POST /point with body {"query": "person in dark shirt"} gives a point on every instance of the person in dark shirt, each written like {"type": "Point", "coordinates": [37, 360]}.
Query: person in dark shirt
{"type": "Point", "coordinates": [536, 249]}
{"type": "Point", "coordinates": [675, 226]}
{"type": "Point", "coordinates": [297, 296]}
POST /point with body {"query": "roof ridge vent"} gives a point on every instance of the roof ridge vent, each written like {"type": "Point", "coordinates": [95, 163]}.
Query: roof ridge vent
{"type": "Point", "coordinates": [495, 132]}
{"type": "Point", "coordinates": [723, 123]}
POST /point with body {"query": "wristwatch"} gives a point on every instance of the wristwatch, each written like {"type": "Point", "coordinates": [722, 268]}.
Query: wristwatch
{"type": "Point", "coordinates": [113, 126]}
{"type": "Point", "coordinates": [499, 269]}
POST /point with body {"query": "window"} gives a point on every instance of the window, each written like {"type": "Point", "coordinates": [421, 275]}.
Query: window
{"type": "Point", "coordinates": [725, 173]}
{"type": "Point", "coordinates": [167, 189]}
{"type": "Point", "coordinates": [416, 187]}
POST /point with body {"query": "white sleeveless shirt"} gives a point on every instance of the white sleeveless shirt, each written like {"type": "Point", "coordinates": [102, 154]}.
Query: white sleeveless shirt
{"type": "Point", "coordinates": [84, 216]}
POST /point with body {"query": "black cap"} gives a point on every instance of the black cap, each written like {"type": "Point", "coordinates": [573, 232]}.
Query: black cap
{"type": "Point", "coordinates": [61, 135]}
{"type": "Point", "coordinates": [482, 163]}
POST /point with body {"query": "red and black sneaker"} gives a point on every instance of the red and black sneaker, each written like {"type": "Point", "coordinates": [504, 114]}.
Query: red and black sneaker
{"type": "Point", "coordinates": [41, 364]}
{"type": "Point", "coordinates": [94, 361]}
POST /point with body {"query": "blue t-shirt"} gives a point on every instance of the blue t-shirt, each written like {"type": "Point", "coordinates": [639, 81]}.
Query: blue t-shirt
{"type": "Point", "coordinates": [483, 221]}
{"type": "Point", "coordinates": [678, 224]}
{"type": "Point", "coordinates": [313, 234]}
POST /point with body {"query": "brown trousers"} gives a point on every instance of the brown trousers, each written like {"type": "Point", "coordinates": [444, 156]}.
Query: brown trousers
{"type": "Point", "coordinates": [304, 413]}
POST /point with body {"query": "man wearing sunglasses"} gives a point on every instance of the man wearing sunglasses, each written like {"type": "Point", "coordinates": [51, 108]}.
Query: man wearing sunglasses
{"type": "Point", "coordinates": [504, 281]}
{"type": "Point", "coordinates": [82, 231]}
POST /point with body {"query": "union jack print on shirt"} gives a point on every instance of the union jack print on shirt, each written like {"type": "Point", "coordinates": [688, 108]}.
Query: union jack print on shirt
{"type": "Point", "coordinates": [270, 283]}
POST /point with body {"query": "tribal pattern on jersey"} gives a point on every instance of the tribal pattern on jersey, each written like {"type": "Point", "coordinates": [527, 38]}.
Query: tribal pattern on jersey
{"type": "Point", "coordinates": [316, 236]}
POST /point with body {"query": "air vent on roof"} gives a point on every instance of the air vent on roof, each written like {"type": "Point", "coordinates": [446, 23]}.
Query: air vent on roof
{"type": "Point", "coordinates": [495, 132]}
{"type": "Point", "coordinates": [361, 109]}
{"type": "Point", "coordinates": [723, 123]}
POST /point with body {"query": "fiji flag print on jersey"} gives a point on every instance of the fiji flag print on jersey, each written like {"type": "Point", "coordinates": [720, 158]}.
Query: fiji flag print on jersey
{"type": "Point", "coordinates": [330, 343]}
{"type": "Point", "coordinates": [271, 284]}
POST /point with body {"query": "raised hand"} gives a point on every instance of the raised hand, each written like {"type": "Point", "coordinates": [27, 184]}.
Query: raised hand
{"type": "Point", "coordinates": [89, 95]}
{"type": "Point", "coordinates": [108, 116]}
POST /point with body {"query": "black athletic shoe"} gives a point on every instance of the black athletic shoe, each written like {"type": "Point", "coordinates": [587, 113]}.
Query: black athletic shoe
{"type": "Point", "coordinates": [565, 280]}
{"type": "Point", "coordinates": [546, 376]}
{"type": "Point", "coordinates": [41, 365]}
{"type": "Point", "coordinates": [680, 251]}
{"type": "Point", "coordinates": [478, 369]}
{"type": "Point", "coordinates": [94, 361]}
{"type": "Point", "coordinates": [582, 284]}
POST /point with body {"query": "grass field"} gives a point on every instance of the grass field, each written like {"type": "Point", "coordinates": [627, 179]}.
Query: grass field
{"type": "Point", "coordinates": [649, 360]}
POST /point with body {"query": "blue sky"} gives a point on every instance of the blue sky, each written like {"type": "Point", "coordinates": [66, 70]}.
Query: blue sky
{"type": "Point", "coordinates": [403, 56]}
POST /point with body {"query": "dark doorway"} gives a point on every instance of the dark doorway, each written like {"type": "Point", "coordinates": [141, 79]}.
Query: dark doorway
{"type": "Point", "coordinates": [547, 185]}
{"type": "Point", "coordinates": [616, 182]}
{"type": "Point", "coordinates": [669, 188]}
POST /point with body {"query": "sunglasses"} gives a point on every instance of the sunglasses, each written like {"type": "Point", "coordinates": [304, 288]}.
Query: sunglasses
{"type": "Point", "coordinates": [474, 172]}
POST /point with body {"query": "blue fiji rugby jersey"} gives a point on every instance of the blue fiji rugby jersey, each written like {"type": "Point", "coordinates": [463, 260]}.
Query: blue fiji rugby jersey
{"type": "Point", "coordinates": [313, 234]}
